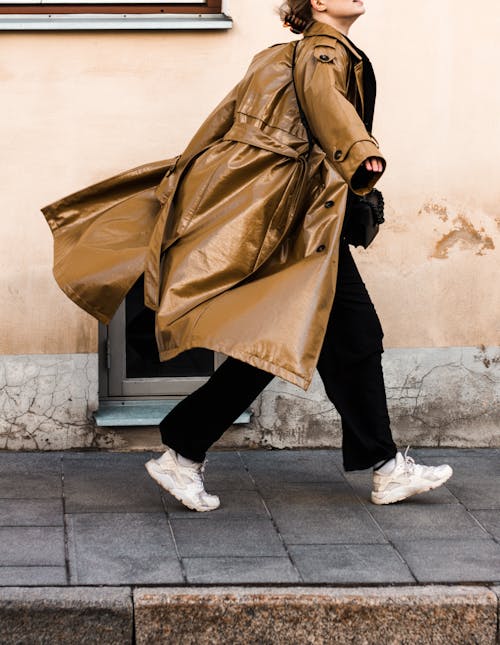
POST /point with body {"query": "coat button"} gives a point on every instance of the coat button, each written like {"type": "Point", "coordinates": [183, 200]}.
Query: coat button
{"type": "Point", "coordinates": [329, 203]}
{"type": "Point", "coordinates": [324, 57]}
{"type": "Point", "coordinates": [338, 154]}
{"type": "Point", "coordinates": [320, 248]}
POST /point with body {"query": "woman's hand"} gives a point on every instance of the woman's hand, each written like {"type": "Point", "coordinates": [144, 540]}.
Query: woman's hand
{"type": "Point", "coordinates": [374, 164]}
{"type": "Point", "coordinates": [368, 173]}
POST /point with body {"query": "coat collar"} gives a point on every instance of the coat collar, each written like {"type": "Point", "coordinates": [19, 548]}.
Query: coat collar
{"type": "Point", "coordinates": [316, 28]}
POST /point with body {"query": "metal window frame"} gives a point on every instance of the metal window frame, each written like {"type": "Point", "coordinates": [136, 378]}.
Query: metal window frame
{"type": "Point", "coordinates": [113, 381]}
{"type": "Point", "coordinates": [46, 16]}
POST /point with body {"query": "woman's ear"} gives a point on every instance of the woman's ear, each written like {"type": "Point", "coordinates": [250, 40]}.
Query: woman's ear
{"type": "Point", "coordinates": [318, 5]}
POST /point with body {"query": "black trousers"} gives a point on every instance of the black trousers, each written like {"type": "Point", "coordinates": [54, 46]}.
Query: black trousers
{"type": "Point", "coordinates": [350, 368]}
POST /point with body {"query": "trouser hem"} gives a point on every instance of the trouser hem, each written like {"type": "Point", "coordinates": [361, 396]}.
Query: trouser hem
{"type": "Point", "coordinates": [369, 463]}
{"type": "Point", "coordinates": [188, 454]}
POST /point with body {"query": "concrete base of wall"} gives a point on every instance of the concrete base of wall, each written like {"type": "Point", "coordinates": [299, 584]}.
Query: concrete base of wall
{"type": "Point", "coordinates": [437, 397]}
{"type": "Point", "coordinates": [46, 402]}
{"type": "Point", "coordinates": [452, 615]}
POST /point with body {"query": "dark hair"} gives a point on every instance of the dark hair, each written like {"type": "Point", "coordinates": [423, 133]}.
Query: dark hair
{"type": "Point", "coordinates": [296, 14]}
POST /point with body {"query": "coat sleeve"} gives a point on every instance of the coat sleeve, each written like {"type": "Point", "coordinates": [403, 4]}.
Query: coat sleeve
{"type": "Point", "coordinates": [321, 79]}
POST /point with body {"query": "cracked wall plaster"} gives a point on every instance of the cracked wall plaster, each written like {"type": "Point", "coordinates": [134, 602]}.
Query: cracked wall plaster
{"type": "Point", "coordinates": [437, 397]}
{"type": "Point", "coordinates": [46, 402]}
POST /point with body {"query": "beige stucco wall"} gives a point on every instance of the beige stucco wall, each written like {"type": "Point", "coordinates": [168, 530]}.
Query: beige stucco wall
{"type": "Point", "coordinates": [77, 107]}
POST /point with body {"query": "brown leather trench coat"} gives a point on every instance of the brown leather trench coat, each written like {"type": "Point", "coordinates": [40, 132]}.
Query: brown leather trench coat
{"type": "Point", "coordinates": [237, 237]}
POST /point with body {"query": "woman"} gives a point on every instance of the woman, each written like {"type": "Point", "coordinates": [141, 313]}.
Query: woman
{"type": "Point", "coordinates": [247, 254]}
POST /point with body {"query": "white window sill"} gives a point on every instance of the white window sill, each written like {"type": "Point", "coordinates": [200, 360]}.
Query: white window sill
{"type": "Point", "coordinates": [67, 21]}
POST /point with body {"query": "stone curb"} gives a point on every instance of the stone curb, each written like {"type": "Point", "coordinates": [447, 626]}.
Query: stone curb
{"type": "Point", "coordinates": [251, 615]}
{"type": "Point", "coordinates": [275, 616]}
{"type": "Point", "coordinates": [52, 615]}
{"type": "Point", "coordinates": [496, 590]}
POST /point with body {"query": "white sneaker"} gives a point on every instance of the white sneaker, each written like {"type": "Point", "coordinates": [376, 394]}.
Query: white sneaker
{"type": "Point", "coordinates": [185, 483]}
{"type": "Point", "coordinates": [407, 479]}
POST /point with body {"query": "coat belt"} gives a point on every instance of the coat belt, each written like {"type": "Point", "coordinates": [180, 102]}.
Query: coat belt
{"type": "Point", "coordinates": [251, 134]}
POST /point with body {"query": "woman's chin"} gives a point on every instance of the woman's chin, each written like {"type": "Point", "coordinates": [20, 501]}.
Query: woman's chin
{"type": "Point", "coordinates": [359, 6]}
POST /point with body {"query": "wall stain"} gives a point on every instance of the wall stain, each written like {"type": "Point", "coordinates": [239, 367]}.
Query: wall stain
{"type": "Point", "coordinates": [465, 235]}
{"type": "Point", "coordinates": [432, 208]}
{"type": "Point", "coordinates": [487, 361]}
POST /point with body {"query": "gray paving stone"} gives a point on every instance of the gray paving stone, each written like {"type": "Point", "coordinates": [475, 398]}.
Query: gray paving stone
{"type": "Point", "coordinates": [226, 471]}
{"type": "Point", "coordinates": [490, 520]}
{"type": "Point", "coordinates": [122, 548]}
{"type": "Point", "coordinates": [13, 462]}
{"type": "Point", "coordinates": [467, 463]}
{"type": "Point", "coordinates": [336, 454]}
{"type": "Point", "coordinates": [452, 453]}
{"type": "Point", "coordinates": [477, 493]}
{"type": "Point", "coordinates": [452, 561]}
{"type": "Point", "coordinates": [469, 469]}
{"type": "Point", "coordinates": [234, 504]}
{"type": "Point", "coordinates": [240, 570]}
{"type": "Point", "coordinates": [304, 497]}
{"type": "Point", "coordinates": [298, 615]}
{"type": "Point", "coordinates": [362, 487]}
{"type": "Point", "coordinates": [412, 522]}
{"type": "Point", "coordinates": [111, 483]}
{"type": "Point", "coordinates": [32, 576]}
{"type": "Point", "coordinates": [335, 525]}
{"type": "Point", "coordinates": [275, 467]}
{"type": "Point", "coordinates": [115, 458]}
{"type": "Point", "coordinates": [29, 485]}
{"type": "Point", "coordinates": [350, 564]}
{"type": "Point", "coordinates": [226, 537]}
{"type": "Point", "coordinates": [51, 615]}
{"type": "Point", "coordinates": [30, 545]}
{"type": "Point", "coordinates": [31, 512]}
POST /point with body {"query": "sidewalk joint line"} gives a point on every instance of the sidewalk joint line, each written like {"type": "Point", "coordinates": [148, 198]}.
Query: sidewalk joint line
{"type": "Point", "coordinates": [285, 547]}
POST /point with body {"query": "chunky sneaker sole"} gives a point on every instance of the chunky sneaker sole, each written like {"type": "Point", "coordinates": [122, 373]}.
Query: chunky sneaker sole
{"type": "Point", "coordinates": [399, 493]}
{"type": "Point", "coordinates": [168, 483]}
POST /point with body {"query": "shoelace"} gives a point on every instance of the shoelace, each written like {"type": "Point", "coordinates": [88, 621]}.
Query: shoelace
{"type": "Point", "coordinates": [199, 474]}
{"type": "Point", "coordinates": [409, 461]}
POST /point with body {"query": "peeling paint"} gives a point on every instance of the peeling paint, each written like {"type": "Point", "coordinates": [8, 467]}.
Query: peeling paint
{"type": "Point", "coordinates": [457, 227]}
{"type": "Point", "coordinates": [486, 358]}
{"type": "Point", "coordinates": [465, 236]}
{"type": "Point", "coordinates": [434, 208]}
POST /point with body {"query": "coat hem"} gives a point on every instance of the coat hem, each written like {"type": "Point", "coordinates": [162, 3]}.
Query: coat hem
{"type": "Point", "coordinates": [78, 300]}
{"type": "Point", "coordinates": [257, 362]}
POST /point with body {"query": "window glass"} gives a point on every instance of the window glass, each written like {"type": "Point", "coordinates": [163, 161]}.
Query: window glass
{"type": "Point", "coordinates": [141, 351]}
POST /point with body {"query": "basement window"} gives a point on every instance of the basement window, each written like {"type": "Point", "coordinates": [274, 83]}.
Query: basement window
{"type": "Point", "coordinates": [27, 15]}
{"type": "Point", "coordinates": [135, 388]}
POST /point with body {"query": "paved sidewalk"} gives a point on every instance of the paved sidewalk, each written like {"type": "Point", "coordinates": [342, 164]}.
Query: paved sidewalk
{"type": "Point", "coordinates": [287, 517]}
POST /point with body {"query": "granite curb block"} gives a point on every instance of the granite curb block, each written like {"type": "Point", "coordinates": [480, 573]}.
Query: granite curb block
{"type": "Point", "coordinates": [51, 615]}
{"type": "Point", "coordinates": [496, 590]}
{"type": "Point", "coordinates": [250, 615]}
{"type": "Point", "coordinates": [276, 615]}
